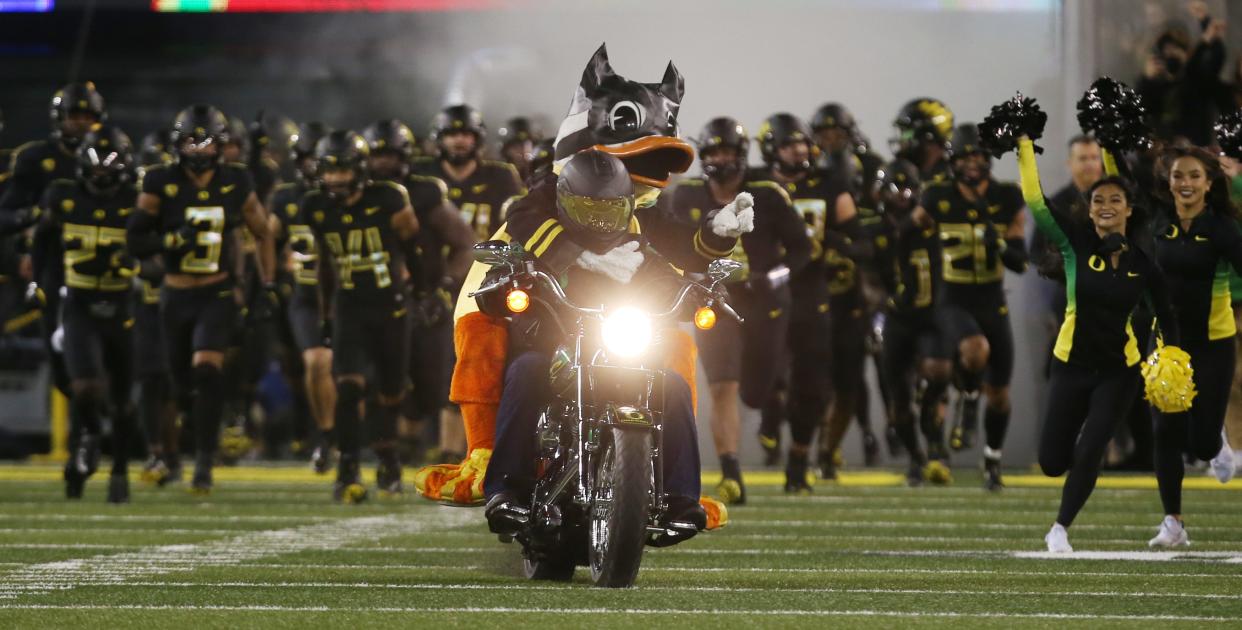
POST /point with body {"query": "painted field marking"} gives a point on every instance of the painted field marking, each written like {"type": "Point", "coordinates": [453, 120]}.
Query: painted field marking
{"type": "Point", "coordinates": [155, 560]}
{"type": "Point", "coordinates": [631, 611]}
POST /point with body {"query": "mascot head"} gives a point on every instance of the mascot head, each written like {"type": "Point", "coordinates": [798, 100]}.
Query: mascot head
{"type": "Point", "coordinates": [636, 122]}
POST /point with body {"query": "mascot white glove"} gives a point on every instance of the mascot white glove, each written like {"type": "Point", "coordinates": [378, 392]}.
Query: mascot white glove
{"type": "Point", "coordinates": [619, 263]}
{"type": "Point", "coordinates": [735, 219]}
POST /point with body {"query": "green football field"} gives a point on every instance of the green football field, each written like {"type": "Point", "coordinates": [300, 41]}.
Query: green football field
{"type": "Point", "coordinates": [269, 550]}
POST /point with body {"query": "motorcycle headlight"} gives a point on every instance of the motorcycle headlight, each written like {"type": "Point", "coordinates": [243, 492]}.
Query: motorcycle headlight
{"type": "Point", "coordinates": [627, 332]}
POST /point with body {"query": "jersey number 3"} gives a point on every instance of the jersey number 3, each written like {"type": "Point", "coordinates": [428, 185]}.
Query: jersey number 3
{"type": "Point", "coordinates": [205, 257]}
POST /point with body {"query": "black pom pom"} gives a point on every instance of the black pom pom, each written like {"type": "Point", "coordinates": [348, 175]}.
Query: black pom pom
{"type": "Point", "coordinates": [1113, 113]}
{"type": "Point", "coordinates": [1016, 117]}
{"type": "Point", "coordinates": [1229, 134]}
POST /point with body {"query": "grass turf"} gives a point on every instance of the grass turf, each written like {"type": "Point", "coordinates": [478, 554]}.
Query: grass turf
{"type": "Point", "coordinates": [269, 549]}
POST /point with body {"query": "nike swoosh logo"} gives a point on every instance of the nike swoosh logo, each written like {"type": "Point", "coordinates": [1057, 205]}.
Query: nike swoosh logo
{"type": "Point", "coordinates": [224, 190]}
{"type": "Point", "coordinates": [1201, 239]}
{"type": "Point", "coordinates": [372, 210]}
{"type": "Point", "coordinates": [1131, 274]}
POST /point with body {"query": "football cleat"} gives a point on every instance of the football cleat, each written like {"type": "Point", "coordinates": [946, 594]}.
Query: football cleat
{"type": "Point", "coordinates": [992, 481]}
{"type": "Point", "coordinates": [321, 459]}
{"type": "Point", "coordinates": [731, 491]}
{"type": "Point", "coordinates": [914, 476]}
{"type": "Point", "coordinates": [1057, 539]}
{"type": "Point", "coordinates": [118, 488]}
{"type": "Point", "coordinates": [829, 463]}
{"type": "Point", "coordinates": [201, 483]}
{"type": "Point", "coordinates": [1172, 534]}
{"type": "Point", "coordinates": [937, 473]}
{"type": "Point", "coordinates": [771, 448]}
{"type": "Point", "coordinates": [86, 456]}
{"type": "Point", "coordinates": [234, 444]}
{"type": "Point", "coordinates": [154, 471]}
{"type": "Point", "coordinates": [348, 486]}
{"type": "Point", "coordinates": [795, 475]}
{"type": "Point", "coordinates": [74, 482]}
{"type": "Point", "coordinates": [388, 474]}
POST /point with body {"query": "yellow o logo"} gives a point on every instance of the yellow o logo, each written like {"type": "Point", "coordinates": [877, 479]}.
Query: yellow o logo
{"type": "Point", "coordinates": [1173, 232]}
{"type": "Point", "coordinates": [1096, 263]}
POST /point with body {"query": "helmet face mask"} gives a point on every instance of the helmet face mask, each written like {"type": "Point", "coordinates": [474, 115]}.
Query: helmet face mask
{"type": "Point", "coordinates": [971, 165]}
{"type": "Point", "coordinates": [459, 133]}
{"type": "Point", "coordinates": [387, 164]}
{"type": "Point", "coordinates": [785, 142]}
{"type": "Point", "coordinates": [920, 124]}
{"type": "Point", "coordinates": [105, 161]}
{"type": "Point", "coordinates": [75, 109]}
{"type": "Point", "coordinates": [723, 148]}
{"type": "Point", "coordinates": [458, 147]}
{"type": "Point", "coordinates": [199, 135]}
{"type": "Point", "coordinates": [898, 188]}
{"type": "Point", "coordinates": [722, 163]}
{"type": "Point", "coordinates": [199, 155]}
{"type": "Point", "coordinates": [341, 164]}
{"type": "Point", "coordinates": [302, 149]}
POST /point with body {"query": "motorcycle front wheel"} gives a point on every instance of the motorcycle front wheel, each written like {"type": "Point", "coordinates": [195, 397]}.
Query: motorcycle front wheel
{"type": "Point", "coordinates": [620, 506]}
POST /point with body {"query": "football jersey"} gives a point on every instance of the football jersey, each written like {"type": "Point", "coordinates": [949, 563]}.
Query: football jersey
{"type": "Point", "coordinates": [481, 196]}
{"type": "Point", "coordinates": [963, 224]}
{"type": "Point", "coordinates": [92, 232]}
{"type": "Point", "coordinates": [365, 250]}
{"type": "Point", "coordinates": [213, 211]}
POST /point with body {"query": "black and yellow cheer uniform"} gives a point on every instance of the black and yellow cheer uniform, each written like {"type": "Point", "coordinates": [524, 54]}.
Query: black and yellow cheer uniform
{"type": "Point", "coordinates": [96, 309]}
{"type": "Point", "coordinates": [481, 196]}
{"type": "Point", "coordinates": [751, 353]}
{"type": "Point", "coordinates": [1197, 260]}
{"type": "Point", "coordinates": [1095, 373]}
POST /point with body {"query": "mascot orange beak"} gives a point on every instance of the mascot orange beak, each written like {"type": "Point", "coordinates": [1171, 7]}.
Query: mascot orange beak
{"type": "Point", "coordinates": [651, 160]}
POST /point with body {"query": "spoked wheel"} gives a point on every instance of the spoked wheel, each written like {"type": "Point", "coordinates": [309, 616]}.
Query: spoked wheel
{"type": "Point", "coordinates": [619, 509]}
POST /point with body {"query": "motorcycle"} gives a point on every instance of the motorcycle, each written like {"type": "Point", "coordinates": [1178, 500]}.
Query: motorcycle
{"type": "Point", "coordinates": [597, 497]}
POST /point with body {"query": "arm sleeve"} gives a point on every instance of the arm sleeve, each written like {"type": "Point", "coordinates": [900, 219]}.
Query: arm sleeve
{"type": "Point", "coordinates": [456, 233]}
{"type": "Point", "coordinates": [544, 237]}
{"type": "Point", "coordinates": [142, 234]}
{"type": "Point", "coordinates": [688, 246]}
{"type": "Point", "coordinates": [1033, 194]}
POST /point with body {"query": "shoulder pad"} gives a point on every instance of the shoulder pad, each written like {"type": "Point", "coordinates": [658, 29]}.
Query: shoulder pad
{"type": "Point", "coordinates": [26, 147]}
{"type": "Point", "coordinates": [431, 179]}
{"type": "Point", "coordinates": [767, 184]}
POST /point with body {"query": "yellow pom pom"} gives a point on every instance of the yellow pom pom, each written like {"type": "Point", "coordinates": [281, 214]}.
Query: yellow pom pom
{"type": "Point", "coordinates": [1169, 379]}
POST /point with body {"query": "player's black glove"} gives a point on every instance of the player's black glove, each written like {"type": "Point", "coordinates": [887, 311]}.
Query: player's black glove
{"type": "Point", "coordinates": [266, 303]}
{"type": "Point", "coordinates": [181, 240]}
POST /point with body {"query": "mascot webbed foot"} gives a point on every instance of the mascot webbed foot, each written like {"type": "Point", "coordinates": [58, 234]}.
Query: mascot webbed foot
{"type": "Point", "coordinates": [455, 484]}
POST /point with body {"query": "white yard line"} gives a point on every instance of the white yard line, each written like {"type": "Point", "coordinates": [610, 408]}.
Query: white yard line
{"type": "Point", "coordinates": [627, 611]}
{"type": "Point", "coordinates": [1133, 556]}
{"type": "Point", "coordinates": [249, 546]}
{"type": "Point", "coordinates": [672, 589]}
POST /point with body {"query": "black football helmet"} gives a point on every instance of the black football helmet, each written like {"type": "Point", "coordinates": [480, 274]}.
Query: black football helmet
{"type": "Point", "coordinates": [392, 137]}
{"type": "Point", "coordinates": [239, 136]}
{"type": "Point", "coordinates": [303, 150]}
{"type": "Point", "coordinates": [156, 148]}
{"type": "Point", "coordinates": [922, 120]}
{"type": "Point", "coordinates": [541, 159]}
{"type": "Point", "coordinates": [198, 127]}
{"type": "Point", "coordinates": [341, 149]}
{"type": "Point", "coordinates": [105, 160]}
{"type": "Point", "coordinates": [899, 187]}
{"type": "Point", "coordinates": [71, 99]}
{"type": "Point", "coordinates": [965, 143]}
{"type": "Point", "coordinates": [458, 118]}
{"type": "Point", "coordinates": [779, 130]}
{"type": "Point", "coordinates": [517, 129]}
{"type": "Point", "coordinates": [833, 116]}
{"type": "Point", "coordinates": [719, 133]}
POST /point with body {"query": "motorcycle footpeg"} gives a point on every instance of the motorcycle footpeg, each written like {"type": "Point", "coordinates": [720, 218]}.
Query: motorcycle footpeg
{"type": "Point", "coordinates": [671, 533]}
{"type": "Point", "coordinates": [507, 519]}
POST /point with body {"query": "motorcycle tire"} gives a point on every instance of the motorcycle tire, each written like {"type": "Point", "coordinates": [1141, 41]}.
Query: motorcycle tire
{"type": "Point", "coordinates": [620, 508]}
{"type": "Point", "coordinates": [557, 568]}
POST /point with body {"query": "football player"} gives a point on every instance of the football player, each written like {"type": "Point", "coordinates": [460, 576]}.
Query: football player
{"type": "Point", "coordinates": [923, 127]}
{"type": "Point", "coordinates": [518, 138]}
{"type": "Point", "coordinates": [744, 358]}
{"type": "Point", "coordinates": [819, 364]}
{"type": "Point", "coordinates": [366, 229]}
{"type": "Point", "coordinates": [87, 215]}
{"type": "Point", "coordinates": [187, 214]}
{"type": "Point", "coordinates": [981, 222]}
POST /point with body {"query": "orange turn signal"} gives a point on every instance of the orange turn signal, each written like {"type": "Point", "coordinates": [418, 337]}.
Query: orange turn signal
{"type": "Point", "coordinates": [705, 318]}
{"type": "Point", "coordinates": [517, 301]}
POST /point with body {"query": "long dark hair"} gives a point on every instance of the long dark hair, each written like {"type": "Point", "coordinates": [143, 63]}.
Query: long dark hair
{"type": "Point", "coordinates": [1137, 234]}
{"type": "Point", "coordinates": [1217, 199]}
